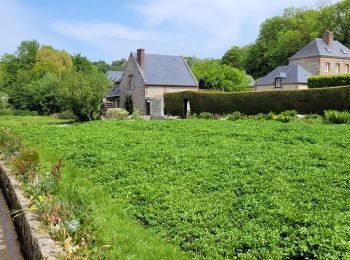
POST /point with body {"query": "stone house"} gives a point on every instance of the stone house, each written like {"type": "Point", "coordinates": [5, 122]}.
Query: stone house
{"type": "Point", "coordinates": [147, 77]}
{"type": "Point", "coordinates": [319, 57]}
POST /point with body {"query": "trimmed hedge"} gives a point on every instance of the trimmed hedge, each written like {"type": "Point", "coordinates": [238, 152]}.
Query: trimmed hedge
{"type": "Point", "coordinates": [310, 101]}
{"type": "Point", "coordinates": [324, 81]}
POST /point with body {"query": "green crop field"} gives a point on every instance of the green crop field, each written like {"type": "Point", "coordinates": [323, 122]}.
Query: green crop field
{"type": "Point", "coordinates": [206, 188]}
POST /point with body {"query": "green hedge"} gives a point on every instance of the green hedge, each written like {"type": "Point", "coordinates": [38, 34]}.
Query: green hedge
{"type": "Point", "coordinates": [310, 101]}
{"type": "Point", "coordinates": [324, 81]}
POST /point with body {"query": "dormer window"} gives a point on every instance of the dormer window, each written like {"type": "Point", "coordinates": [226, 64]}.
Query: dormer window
{"type": "Point", "coordinates": [328, 50]}
{"type": "Point", "coordinates": [344, 51]}
{"type": "Point", "coordinates": [328, 67]}
{"type": "Point", "coordinates": [337, 68]}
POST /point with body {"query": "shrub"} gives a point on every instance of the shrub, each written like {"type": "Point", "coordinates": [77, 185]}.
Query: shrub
{"type": "Point", "coordinates": [283, 118]}
{"type": "Point", "coordinates": [290, 113]}
{"type": "Point", "coordinates": [252, 103]}
{"type": "Point", "coordinates": [136, 115]}
{"type": "Point", "coordinates": [128, 104]}
{"type": "Point", "coordinates": [9, 143]}
{"type": "Point", "coordinates": [324, 81]}
{"type": "Point", "coordinates": [234, 116]}
{"type": "Point", "coordinates": [26, 162]}
{"type": "Point", "coordinates": [116, 114]}
{"type": "Point", "coordinates": [206, 115]}
{"type": "Point", "coordinates": [270, 116]}
{"type": "Point", "coordinates": [336, 117]}
{"type": "Point", "coordinates": [68, 114]}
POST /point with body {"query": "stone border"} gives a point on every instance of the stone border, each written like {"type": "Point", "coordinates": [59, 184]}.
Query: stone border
{"type": "Point", "coordinates": [35, 243]}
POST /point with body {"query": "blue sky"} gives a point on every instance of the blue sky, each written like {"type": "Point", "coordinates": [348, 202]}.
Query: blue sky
{"type": "Point", "coordinates": [109, 30]}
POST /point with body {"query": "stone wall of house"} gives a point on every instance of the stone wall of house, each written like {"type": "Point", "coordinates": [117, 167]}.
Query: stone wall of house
{"type": "Point", "coordinates": [332, 62]}
{"type": "Point", "coordinates": [159, 91]}
{"type": "Point", "coordinates": [285, 87]}
{"type": "Point", "coordinates": [137, 91]}
{"type": "Point", "coordinates": [310, 64]}
{"type": "Point", "coordinates": [155, 95]}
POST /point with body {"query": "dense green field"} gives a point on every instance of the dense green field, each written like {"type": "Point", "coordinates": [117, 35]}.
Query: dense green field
{"type": "Point", "coordinates": [215, 189]}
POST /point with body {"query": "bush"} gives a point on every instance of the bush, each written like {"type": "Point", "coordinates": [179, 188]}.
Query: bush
{"type": "Point", "coordinates": [290, 113]}
{"type": "Point", "coordinates": [26, 162]}
{"type": "Point", "coordinates": [116, 114]}
{"type": "Point", "coordinates": [283, 118]}
{"type": "Point", "coordinates": [128, 104]}
{"type": "Point", "coordinates": [324, 81]}
{"type": "Point", "coordinates": [251, 103]}
{"type": "Point", "coordinates": [234, 116]}
{"type": "Point", "coordinates": [206, 115]}
{"type": "Point", "coordinates": [68, 114]}
{"type": "Point", "coordinates": [336, 117]}
{"type": "Point", "coordinates": [136, 115]}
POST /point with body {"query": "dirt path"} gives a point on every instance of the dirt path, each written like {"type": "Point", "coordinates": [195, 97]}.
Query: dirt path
{"type": "Point", "coordinates": [9, 245]}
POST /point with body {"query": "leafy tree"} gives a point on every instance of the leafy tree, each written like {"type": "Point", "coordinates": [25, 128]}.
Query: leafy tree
{"type": "Point", "coordinates": [220, 76]}
{"type": "Point", "coordinates": [102, 66]}
{"type": "Point", "coordinates": [52, 61]}
{"type": "Point", "coordinates": [119, 64]}
{"type": "Point", "coordinates": [81, 63]}
{"type": "Point", "coordinates": [82, 93]}
{"type": "Point", "coordinates": [234, 57]}
{"type": "Point", "coordinates": [27, 54]}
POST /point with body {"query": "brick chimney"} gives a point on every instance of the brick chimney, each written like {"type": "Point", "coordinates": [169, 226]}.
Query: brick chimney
{"type": "Point", "coordinates": [328, 38]}
{"type": "Point", "coordinates": [141, 58]}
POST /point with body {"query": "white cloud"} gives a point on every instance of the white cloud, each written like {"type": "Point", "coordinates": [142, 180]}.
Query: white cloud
{"type": "Point", "coordinates": [204, 27]}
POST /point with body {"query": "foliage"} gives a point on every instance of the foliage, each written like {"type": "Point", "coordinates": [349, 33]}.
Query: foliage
{"type": "Point", "coordinates": [82, 64]}
{"type": "Point", "coordinates": [26, 163]}
{"type": "Point", "coordinates": [116, 114]}
{"type": "Point", "coordinates": [17, 112]}
{"type": "Point", "coordinates": [136, 115]}
{"type": "Point", "coordinates": [128, 104]}
{"type": "Point", "coordinates": [235, 57]}
{"type": "Point", "coordinates": [9, 143]}
{"type": "Point", "coordinates": [27, 54]}
{"type": "Point", "coordinates": [67, 114]}
{"type": "Point", "coordinates": [216, 189]}
{"type": "Point", "coordinates": [252, 103]}
{"type": "Point", "coordinates": [102, 66]}
{"type": "Point", "coordinates": [234, 116]}
{"type": "Point", "coordinates": [53, 61]}
{"type": "Point", "coordinates": [323, 81]}
{"type": "Point", "coordinates": [205, 115]}
{"type": "Point", "coordinates": [336, 117]}
{"type": "Point", "coordinates": [220, 76]}
{"type": "Point", "coordinates": [118, 65]}
{"type": "Point", "coordinates": [82, 93]}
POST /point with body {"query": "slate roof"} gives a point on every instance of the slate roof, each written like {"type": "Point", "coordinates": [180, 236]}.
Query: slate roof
{"type": "Point", "coordinates": [319, 48]}
{"type": "Point", "coordinates": [294, 74]}
{"type": "Point", "coordinates": [114, 93]}
{"type": "Point", "coordinates": [167, 70]}
{"type": "Point", "coordinates": [114, 76]}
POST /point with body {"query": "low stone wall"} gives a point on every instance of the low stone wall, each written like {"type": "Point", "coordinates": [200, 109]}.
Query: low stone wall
{"type": "Point", "coordinates": [36, 244]}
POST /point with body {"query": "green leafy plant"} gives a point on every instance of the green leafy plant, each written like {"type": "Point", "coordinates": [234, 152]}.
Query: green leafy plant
{"type": "Point", "coordinates": [26, 163]}
{"type": "Point", "coordinates": [128, 104]}
{"type": "Point", "coordinates": [206, 115]}
{"type": "Point", "coordinates": [234, 116]}
{"type": "Point", "coordinates": [336, 117]}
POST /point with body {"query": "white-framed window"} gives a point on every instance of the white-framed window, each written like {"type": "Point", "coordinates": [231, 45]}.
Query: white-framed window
{"type": "Point", "coordinates": [347, 68]}
{"type": "Point", "coordinates": [328, 66]}
{"type": "Point", "coordinates": [337, 68]}
{"type": "Point", "coordinates": [278, 83]}
{"type": "Point", "coordinates": [131, 82]}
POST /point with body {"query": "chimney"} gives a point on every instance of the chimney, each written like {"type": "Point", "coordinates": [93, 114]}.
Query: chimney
{"type": "Point", "coordinates": [141, 58]}
{"type": "Point", "coordinates": [328, 38]}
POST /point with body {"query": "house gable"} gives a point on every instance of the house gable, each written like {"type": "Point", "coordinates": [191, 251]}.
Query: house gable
{"type": "Point", "coordinates": [133, 83]}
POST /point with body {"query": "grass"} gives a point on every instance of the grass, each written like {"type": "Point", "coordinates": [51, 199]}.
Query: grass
{"type": "Point", "coordinates": [214, 189]}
